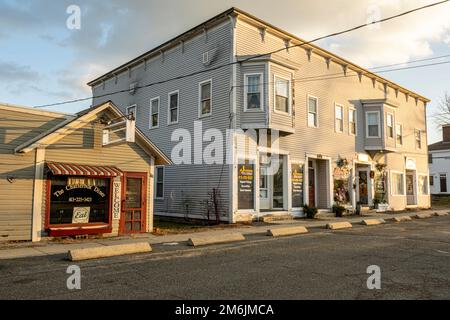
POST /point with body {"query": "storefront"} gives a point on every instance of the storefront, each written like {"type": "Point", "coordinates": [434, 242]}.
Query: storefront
{"type": "Point", "coordinates": [87, 179]}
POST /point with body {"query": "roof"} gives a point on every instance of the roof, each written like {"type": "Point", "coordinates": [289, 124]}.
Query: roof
{"type": "Point", "coordinates": [77, 121]}
{"type": "Point", "coordinates": [439, 146]}
{"type": "Point", "coordinates": [238, 12]}
{"type": "Point", "coordinates": [34, 111]}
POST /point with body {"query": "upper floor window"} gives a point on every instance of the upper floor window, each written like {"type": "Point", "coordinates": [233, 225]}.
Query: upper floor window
{"type": "Point", "coordinates": [431, 180]}
{"type": "Point", "coordinates": [282, 96]}
{"type": "Point", "coordinates": [418, 138]}
{"type": "Point", "coordinates": [173, 111]}
{"type": "Point", "coordinates": [373, 124]}
{"type": "Point", "coordinates": [154, 113]}
{"type": "Point", "coordinates": [399, 133]}
{"type": "Point", "coordinates": [352, 121]}
{"type": "Point", "coordinates": [205, 98]}
{"type": "Point", "coordinates": [132, 110]}
{"type": "Point", "coordinates": [313, 111]}
{"type": "Point", "coordinates": [339, 118]}
{"type": "Point", "coordinates": [390, 125]}
{"type": "Point", "coordinates": [159, 182]}
{"type": "Point", "coordinates": [253, 91]}
{"type": "Point", "coordinates": [430, 158]}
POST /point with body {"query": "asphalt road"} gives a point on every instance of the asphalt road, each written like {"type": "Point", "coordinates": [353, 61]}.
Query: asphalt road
{"type": "Point", "coordinates": [414, 258]}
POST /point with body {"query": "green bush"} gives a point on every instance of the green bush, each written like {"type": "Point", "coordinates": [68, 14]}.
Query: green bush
{"type": "Point", "coordinates": [338, 210]}
{"type": "Point", "coordinates": [310, 212]}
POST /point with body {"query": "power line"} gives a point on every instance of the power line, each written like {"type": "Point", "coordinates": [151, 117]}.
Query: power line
{"type": "Point", "coordinates": [252, 57]}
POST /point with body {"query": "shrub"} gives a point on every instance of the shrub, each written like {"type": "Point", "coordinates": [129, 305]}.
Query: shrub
{"type": "Point", "coordinates": [338, 210]}
{"type": "Point", "coordinates": [310, 212]}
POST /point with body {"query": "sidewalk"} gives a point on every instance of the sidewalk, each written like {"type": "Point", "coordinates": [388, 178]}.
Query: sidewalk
{"type": "Point", "coordinates": [28, 249]}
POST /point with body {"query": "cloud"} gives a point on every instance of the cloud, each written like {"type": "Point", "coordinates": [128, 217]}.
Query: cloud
{"type": "Point", "coordinates": [12, 72]}
{"type": "Point", "coordinates": [115, 31]}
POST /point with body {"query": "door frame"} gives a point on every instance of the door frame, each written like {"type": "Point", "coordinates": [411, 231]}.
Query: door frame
{"type": "Point", "coordinates": [144, 199]}
{"type": "Point", "coordinates": [412, 173]}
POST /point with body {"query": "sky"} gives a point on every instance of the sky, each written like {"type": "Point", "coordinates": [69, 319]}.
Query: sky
{"type": "Point", "coordinates": [42, 61]}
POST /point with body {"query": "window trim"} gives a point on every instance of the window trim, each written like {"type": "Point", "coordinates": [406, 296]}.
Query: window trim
{"type": "Point", "coordinates": [156, 182]}
{"type": "Point", "coordinates": [289, 80]}
{"type": "Point", "coordinates": [168, 107]}
{"type": "Point", "coordinates": [427, 178]}
{"type": "Point", "coordinates": [200, 115]}
{"type": "Point", "coordinates": [393, 125]}
{"type": "Point", "coordinates": [367, 124]}
{"type": "Point", "coordinates": [396, 133]}
{"type": "Point", "coordinates": [261, 85]}
{"type": "Point", "coordinates": [415, 141]}
{"type": "Point", "coordinates": [307, 111]}
{"type": "Point", "coordinates": [336, 105]}
{"type": "Point", "coordinates": [132, 106]}
{"type": "Point", "coordinates": [392, 185]}
{"type": "Point", "coordinates": [355, 119]}
{"type": "Point", "coordinates": [150, 122]}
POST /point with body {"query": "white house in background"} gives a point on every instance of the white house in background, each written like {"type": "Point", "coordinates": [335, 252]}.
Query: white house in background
{"type": "Point", "coordinates": [439, 162]}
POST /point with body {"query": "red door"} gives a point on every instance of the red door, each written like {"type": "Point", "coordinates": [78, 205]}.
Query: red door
{"type": "Point", "coordinates": [134, 203]}
{"type": "Point", "coordinates": [312, 187]}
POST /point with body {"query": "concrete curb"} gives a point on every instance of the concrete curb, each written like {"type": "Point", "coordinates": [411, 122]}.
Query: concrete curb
{"type": "Point", "coordinates": [279, 232]}
{"type": "Point", "coordinates": [108, 251]}
{"type": "Point", "coordinates": [402, 219]}
{"type": "Point", "coordinates": [441, 214]}
{"type": "Point", "coordinates": [339, 225]}
{"type": "Point", "coordinates": [372, 222]}
{"type": "Point", "coordinates": [423, 216]}
{"type": "Point", "coordinates": [207, 240]}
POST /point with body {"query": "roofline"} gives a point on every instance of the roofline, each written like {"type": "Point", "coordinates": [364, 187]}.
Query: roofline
{"type": "Point", "coordinates": [236, 11]}
{"type": "Point", "coordinates": [34, 143]}
{"type": "Point", "coordinates": [168, 43]}
{"type": "Point", "coordinates": [24, 109]}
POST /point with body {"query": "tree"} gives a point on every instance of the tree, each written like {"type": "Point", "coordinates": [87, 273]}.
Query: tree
{"type": "Point", "coordinates": [443, 115]}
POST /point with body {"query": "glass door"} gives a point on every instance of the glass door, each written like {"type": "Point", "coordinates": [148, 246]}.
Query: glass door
{"type": "Point", "coordinates": [134, 203]}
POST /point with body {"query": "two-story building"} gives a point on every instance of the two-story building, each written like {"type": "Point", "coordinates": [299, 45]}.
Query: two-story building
{"type": "Point", "coordinates": [317, 129]}
{"type": "Point", "coordinates": [439, 161]}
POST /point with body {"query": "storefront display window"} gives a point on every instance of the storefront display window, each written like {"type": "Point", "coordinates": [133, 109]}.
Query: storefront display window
{"type": "Point", "coordinates": [79, 200]}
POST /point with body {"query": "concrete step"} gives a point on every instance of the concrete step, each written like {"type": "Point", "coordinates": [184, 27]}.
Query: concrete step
{"type": "Point", "coordinates": [283, 217]}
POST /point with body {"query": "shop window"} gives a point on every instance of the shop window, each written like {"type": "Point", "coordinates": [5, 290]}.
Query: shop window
{"type": "Point", "coordinates": [398, 186]}
{"type": "Point", "coordinates": [423, 185]}
{"type": "Point", "coordinates": [79, 200]}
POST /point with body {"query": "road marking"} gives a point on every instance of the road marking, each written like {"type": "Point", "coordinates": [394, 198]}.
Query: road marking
{"type": "Point", "coordinates": [445, 252]}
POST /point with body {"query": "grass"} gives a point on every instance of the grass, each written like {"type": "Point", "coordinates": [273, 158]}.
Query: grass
{"type": "Point", "coordinates": [440, 202]}
{"type": "Point", "coordinates": [162, 227]}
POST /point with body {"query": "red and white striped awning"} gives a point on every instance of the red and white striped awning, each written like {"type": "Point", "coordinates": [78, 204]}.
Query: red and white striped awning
{"type": "Point", "coordinates": [71, 169]}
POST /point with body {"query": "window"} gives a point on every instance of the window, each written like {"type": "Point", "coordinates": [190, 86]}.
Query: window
{"type": "Point", "coordinates": [173, 107]}
{"type": "Point", "coordinates": [431, 180]}
{"type": "Point", "coordinates": [132, 110]}
{"type": "Point", "coordinates": [399, 133]}
{"type": "Point", "coordinates": [339, 118]}
{"type": "Point", "coordinates": [159, 183]}
{"type": "Point", "coordinates": [418, 137]}
{"type": "Point", "coordinates": [154, 113]}
{"type": "Point", "coordinates": [352, 121]}
{"type": "Point", "coordinates": [443, 181]}
{"type": "Point", "coordinates": [390, 125]}
{"type": "Point", "coordinates": [253, 91]}
{"type": "Point", "coordinates": [423, 185]}
{"type": "Point", "coordinates": [430, 158]}
{"type": "Point", "coordinates": [79, 200]}
{"type": "Point", "coordinates": [282, 95]}
{"type": "Point", "coordinates": [398, 188]}
{"type": "Point", "coordinates": [373, 124]}
{"type": "Point", "coordinates": [313, 106]}
{"type": "Point", "coordinates": [205, 98]}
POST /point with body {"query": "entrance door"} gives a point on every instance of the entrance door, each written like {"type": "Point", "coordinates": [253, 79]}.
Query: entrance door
{"type": "Point", "coordinates": [410, 189]}
{"type": "Point", "coordinates": [278, 184]}
{"type": "Point", "coordinates": [264, 180]}
{"type": "Point", "coordinates": [311, 185]}
{"type": "Point", "coordinates": [134, 203]}
{"type": "Point", "coordinates": [363, 187]}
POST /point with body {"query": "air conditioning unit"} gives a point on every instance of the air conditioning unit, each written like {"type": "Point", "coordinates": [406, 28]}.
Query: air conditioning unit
{"type": "Point", "coordinates": [133, 88]}
{"type": "Point", "coordinates": [209, 56]}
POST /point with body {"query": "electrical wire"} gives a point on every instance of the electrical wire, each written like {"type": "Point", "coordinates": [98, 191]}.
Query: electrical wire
{"type": "Point", "coordinates": [252, 57]}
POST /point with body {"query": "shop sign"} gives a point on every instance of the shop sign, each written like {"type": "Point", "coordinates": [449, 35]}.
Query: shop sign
{"type": "Point", "coordinates": [116, 199]}
{"type": "Point", "coordinates": [81, 214]}
{"type": "Point", "coordinates": [341, 173]}
{"type": "Point", "coordinates": [297, 185]}
{"type": "Point", "coordinates": [246, 186]}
